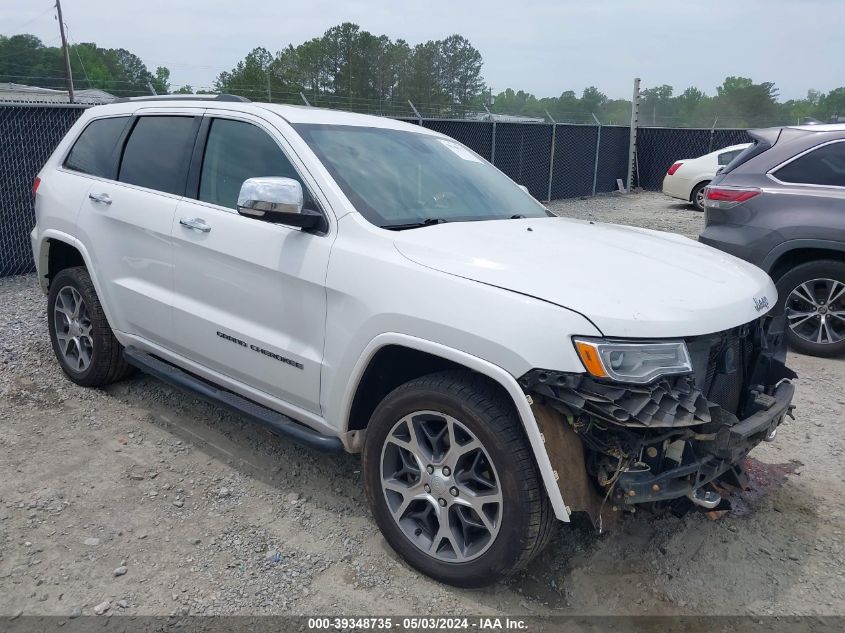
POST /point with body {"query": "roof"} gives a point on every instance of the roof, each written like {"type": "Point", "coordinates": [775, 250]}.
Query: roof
{"type": "Point", "coordinates": [504, 118]}
{"type": "Point", "coordinates": [20, 93]}
{"type": "Point", "coordinates": [823, 127]}
{"type": "Point", "coordinates": [730, 148]}
{"type": "Point", "coordinates": [293, 114]}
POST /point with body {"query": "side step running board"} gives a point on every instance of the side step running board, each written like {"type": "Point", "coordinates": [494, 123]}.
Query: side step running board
{"type": "Point", "coordinates": [276, 422]}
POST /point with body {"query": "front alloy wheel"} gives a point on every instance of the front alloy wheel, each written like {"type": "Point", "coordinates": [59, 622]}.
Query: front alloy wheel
{"type": "Point", "coordinates": [452, 481]}
{"type": "Point", "coordinates": [441, 486]}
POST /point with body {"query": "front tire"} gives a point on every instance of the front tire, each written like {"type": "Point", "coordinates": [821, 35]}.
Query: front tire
{"type": "Point", "coordinates": [452, 481]}
{"type": "Point", "coordinates": [813, 296]}
{"type": "Point", "coordinates": [83, 342]}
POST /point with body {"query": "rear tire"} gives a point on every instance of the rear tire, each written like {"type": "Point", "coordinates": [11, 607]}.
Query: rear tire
{"type": "Point", "coordinates": [813, 295]}
{"type": "Point", "coordinates": [83, 342]}
{"type": "Point", "coordinates": [466, 416]}
{"type": "Point", "coordinates": [697, 195]}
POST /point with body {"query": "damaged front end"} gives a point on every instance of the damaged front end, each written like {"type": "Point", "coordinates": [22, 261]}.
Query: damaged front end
{"type": "Point", "coordinates": [667, 438]}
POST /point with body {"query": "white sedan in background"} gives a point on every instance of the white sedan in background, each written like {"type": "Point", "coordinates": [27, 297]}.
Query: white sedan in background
{"type": "Point", "coordinates": [687, 178]}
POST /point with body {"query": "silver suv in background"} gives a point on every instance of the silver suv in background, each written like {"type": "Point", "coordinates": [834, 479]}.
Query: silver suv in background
{"type": "Point", "coordinates": [780, 205]}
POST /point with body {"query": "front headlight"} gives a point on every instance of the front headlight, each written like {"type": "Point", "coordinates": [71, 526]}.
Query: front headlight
{"type": "Point", "coordinates": [632, 362]}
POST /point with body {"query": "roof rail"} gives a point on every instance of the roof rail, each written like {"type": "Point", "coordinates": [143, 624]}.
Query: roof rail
{"type": "Point", "coordinates": [220, 97]}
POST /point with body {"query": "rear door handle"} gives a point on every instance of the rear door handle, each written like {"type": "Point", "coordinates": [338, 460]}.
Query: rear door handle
{"type": "Point", "coordinates": [102, 198]}
{"type": "Point", "coordinates": [198, 224]}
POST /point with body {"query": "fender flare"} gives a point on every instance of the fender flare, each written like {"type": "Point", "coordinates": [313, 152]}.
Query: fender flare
{"type": "Point", "coordinates": [486, 368]}
{"type": "Point", "coordinates": [793, 245]}
{"type": "Point", "coordinates": [70, 240]}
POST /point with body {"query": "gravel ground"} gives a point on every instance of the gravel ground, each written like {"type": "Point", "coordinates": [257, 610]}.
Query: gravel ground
{"type": "Point", "coordinates": [137, 499]}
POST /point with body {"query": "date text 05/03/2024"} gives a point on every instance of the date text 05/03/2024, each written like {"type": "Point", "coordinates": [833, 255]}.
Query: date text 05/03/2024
{"type": "Point", "coordinates": [419, 623]}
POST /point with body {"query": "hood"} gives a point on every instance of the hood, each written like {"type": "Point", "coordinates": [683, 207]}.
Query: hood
{"type": "Point", "coordinates": [629, 282]}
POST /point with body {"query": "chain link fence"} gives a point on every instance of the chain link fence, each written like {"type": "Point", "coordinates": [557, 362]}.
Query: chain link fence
{"type": "Point", "coordinates": [28, 135]}
{"type": "Point", "coordinates": [659, 147]}
{"type": "Point", "coordinates": [553, 161]}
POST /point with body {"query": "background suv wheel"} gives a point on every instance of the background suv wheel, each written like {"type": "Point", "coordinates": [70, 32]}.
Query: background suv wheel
{"type": "Point", "coordinates": [452, 482]}
{"type": "Point", "coordinates": [813, 296]}
{"type": "Point", "coordinates": [83, 342]}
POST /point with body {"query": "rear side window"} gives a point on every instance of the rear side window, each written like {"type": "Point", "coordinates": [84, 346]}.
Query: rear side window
{"type": "Point", "coordinates": [157, 153]}
{"type": "Point", "coordinates": [756, 148]}
{"type": "Point", "coordinates": [822, 166]}
{"type": "Point", "coordinates": [727, 157]}
{"type": "Point", "coordinates": [235, 151]}
{"type": "Point", "coordinates": [94, 151]}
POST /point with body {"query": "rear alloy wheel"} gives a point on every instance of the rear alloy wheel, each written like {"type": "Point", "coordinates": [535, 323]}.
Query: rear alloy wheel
{"type": "Point", "coordinates": [697, 197]}
{"type": "Point", "coordinates": [452, 481]}
{"type": "Point", "coordinates": [813, 297]}
{"type": "Point", "coordinates": [83, 342]}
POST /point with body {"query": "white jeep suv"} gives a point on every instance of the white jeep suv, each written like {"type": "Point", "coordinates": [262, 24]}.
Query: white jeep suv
{"type": "Point", "coordinates": [366, 285]}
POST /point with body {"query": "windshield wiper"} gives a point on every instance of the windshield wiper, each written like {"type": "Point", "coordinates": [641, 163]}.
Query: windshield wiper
{"type": "Point", "coordinates": [414, 225]}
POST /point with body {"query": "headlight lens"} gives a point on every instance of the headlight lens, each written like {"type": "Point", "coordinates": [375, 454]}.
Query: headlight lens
{"type": "Point", "coordinates": [633, 362]}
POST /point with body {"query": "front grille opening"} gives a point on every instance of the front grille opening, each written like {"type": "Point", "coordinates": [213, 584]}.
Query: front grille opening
{"type": "Point", "coordinates": [725, 372]}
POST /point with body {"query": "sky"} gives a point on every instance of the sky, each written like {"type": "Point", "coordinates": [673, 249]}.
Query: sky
{"type": "Point", "coordinates": [541, 46]}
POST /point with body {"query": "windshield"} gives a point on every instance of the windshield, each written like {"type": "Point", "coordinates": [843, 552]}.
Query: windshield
{"type": "Point", "coordinates": [402, 179]}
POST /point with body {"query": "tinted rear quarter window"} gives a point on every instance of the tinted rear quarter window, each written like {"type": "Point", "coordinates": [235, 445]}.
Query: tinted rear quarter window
{"type": "Point", "coordinates": [822, 166]}
{"type": "Point", "coordinates": [726, 157]}
{"type": "Point", "coordinates": [94, 151]}
{"type": "Point", "coordinates": [756, 148]}
{"type": "Point", "coordinates": [157, 153]}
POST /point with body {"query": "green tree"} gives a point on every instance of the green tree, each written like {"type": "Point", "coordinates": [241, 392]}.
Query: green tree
{"type": "Point", "coordinates": [350, 67]}
{"type": "Point", "coordinates": [460, 70]}
{"type": "Point", "coordinates": [741, 102]}
{"type": "Point", "coordinates": [657, 102]}
{"type": "Point", "coordinates": [25, 60]}
{"type": "Point", "coordinates": [161, 80]}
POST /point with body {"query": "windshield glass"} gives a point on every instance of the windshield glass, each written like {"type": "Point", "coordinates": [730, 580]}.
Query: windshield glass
{"type": "Point", "coordinates": [403, 179]}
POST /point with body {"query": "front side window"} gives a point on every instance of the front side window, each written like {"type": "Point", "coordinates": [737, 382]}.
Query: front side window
{"type": "Point", "coordinates": [158, 152]}
{"type": "Point", "coordinates": [93, 152]}
{"type": "Point", "coordinates": [822, 166]}
{"type": "Point", "coordinates": [403, 179]}
{"type": "Point", "coordinates": [235, 151]}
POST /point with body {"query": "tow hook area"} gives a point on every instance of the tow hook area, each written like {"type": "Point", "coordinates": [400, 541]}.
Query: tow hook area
{"type": "Point", "coordinates": [708, 499]}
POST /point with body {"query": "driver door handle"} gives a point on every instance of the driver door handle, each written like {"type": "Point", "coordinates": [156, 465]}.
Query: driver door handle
{"type": "Point", "coordinates": [198, 224]}
{"type": "Point", "coordinates": [102, 198]}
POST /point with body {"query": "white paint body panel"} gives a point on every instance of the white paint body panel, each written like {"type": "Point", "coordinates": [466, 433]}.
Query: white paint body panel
{"type": "Point", "coordinates": [629, 282]}
{"type": "Point", "coordinates": [694, 171]}
{"type": "Point", "coordinates": [494, 296]}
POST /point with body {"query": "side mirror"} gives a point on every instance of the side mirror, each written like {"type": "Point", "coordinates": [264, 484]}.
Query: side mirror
{"type": "Point", "coordinates": [525, 189]}
{"type": "Point", "coordinates": [277, 200]}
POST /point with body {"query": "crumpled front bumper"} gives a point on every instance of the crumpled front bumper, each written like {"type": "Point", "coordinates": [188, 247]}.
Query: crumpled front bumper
{"type": "Point", "coordinates": [644, 443]}
{"type": "Point", "coordinates": [717, 454]}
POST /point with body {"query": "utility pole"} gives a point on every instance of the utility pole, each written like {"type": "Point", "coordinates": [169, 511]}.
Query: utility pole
{"type": "Point", "coordinates": [68, 74]}
{"type": "Point", "coordinates": [632, 139]}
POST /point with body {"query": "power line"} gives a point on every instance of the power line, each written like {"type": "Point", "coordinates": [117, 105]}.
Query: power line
{"type": "Point", "coordinates": [31, 20]}
{"type": "Point", "coordinates": [76, 50]}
